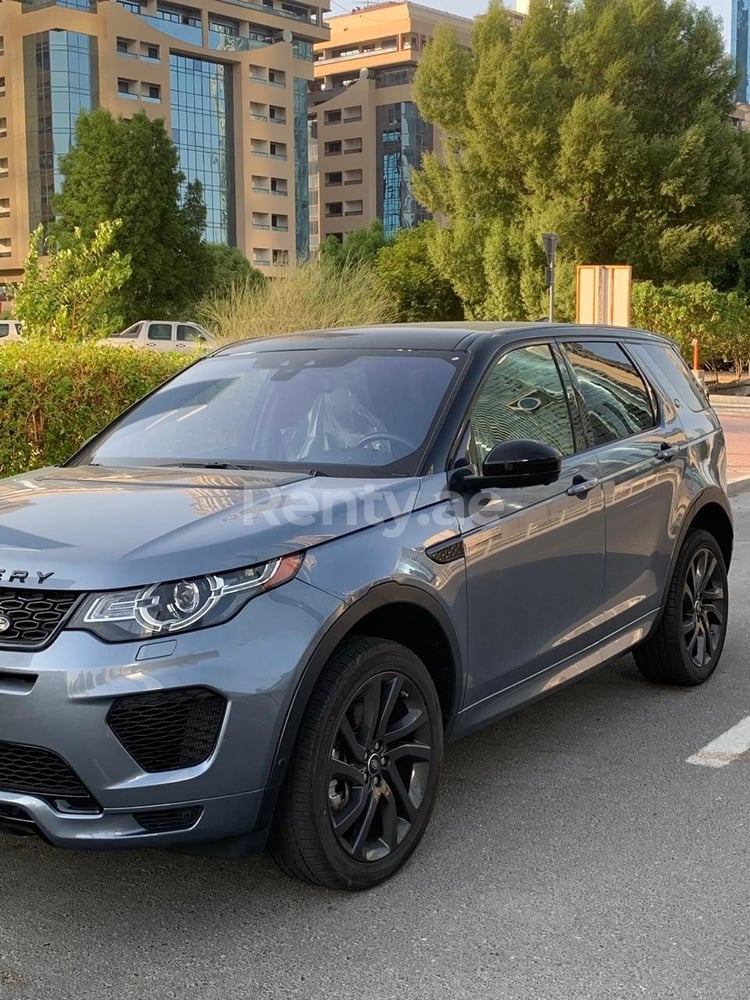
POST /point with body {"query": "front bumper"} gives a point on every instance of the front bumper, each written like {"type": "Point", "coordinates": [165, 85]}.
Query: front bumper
{"type": "Point", "coordinates": [60, 699]}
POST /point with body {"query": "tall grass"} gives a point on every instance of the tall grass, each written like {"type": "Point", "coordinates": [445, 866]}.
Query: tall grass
{"type": "Point", "coordinates": [306, 297]}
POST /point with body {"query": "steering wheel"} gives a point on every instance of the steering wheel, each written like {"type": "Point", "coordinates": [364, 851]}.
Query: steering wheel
{"type": "Point", "coordinates": [384, 436]}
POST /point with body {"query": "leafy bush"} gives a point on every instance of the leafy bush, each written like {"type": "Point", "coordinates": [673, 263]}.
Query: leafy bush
{"type": "Point", "coordinates": [719, 320]}
{"type": "Point", "coordinates": [54, 396]}
{"type": "Point", "coordinates": [412, 282]}
{"type": "Point", "coordinates": [308, 297]}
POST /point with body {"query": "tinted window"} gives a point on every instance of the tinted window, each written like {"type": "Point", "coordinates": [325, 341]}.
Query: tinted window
{"type": "Point", "coordinates": [678, 378]}
{"type": "Point", "coordinates": [522, 398]}
{"type": "Point", "coordinates": [160, 331]}
{"type": "Point", "coordinates": [617, 399]}
{"type": "Point", "coordinates": [188, 333]}
{"type": "Point", "coordinates": [317, 408]}
{"type": "Point", "coordinates": [4, 329]}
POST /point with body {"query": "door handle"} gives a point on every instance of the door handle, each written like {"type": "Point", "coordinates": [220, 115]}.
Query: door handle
{"type": "Point", "coordinates": [582, 487]}
{"type": "Point", "coordinates": [667, 452]}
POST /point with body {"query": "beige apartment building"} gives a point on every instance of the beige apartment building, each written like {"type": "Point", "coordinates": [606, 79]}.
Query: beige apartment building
{"type": "Point", "coordinates": [366, 132]}
{"type": "Point", "coordinates": [230, 78]}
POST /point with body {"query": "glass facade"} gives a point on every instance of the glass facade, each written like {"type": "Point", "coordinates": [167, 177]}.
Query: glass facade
{"type": "Point", "coordinates": [741, 46]}
{"type": "Point", "coordinates": [202, 115]}
{"type": "Point", "coordinates": [88, 5]}
{"type": "Point", "coordinates": [301, 169]}
{"type": "Point", "coordinates": [60, 81]}
{"type": "Point", "coordinates": [403, 138]}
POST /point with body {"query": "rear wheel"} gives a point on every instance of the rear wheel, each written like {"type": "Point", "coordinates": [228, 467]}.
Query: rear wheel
{"type": "Point", "coordinates": [363, 779]}
{"type": "Point", "coordinates": [686, 646]}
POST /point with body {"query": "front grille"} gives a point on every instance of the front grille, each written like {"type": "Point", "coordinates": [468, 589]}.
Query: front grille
{"type": "Point", "coordinates": [168, 820]}
{"type": "Point", "coordinates": [168, 730]}
{"type": "Point", "coordinates": [37, 771]}
{"type": "Point", "coordinates": [32, 618]}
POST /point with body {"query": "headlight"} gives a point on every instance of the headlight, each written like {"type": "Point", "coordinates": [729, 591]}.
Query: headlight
{"type": "Point", "coordinates": [167, 608]}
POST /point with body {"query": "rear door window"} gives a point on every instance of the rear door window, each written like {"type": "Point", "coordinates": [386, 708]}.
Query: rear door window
{"type": "Point", "coordinates": [619, 402]}
{"type": "Point", "coordinates": [188, 333]}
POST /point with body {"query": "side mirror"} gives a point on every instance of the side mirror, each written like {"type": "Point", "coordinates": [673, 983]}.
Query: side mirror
{"type": "Point", "coordinates": [514, 464]}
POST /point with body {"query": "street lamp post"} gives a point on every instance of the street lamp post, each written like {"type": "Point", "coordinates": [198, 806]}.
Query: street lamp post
{"type": "Point", "coordinates": [550, 240]}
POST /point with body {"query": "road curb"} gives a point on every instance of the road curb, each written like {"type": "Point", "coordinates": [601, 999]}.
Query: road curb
{"type": "Point", "coordinates": [739, 486]}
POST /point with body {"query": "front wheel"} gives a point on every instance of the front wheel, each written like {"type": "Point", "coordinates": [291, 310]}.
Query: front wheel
{"type": "Point", "coordinates": [687, 644]}
{"type": "Point", "coordinates": [363, 779]}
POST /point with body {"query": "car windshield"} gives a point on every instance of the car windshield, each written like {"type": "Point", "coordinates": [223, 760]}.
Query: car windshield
{"type": "Point", "coordinates": [130, 334]}
{"type": "Point", "coordinates": [315, 409]}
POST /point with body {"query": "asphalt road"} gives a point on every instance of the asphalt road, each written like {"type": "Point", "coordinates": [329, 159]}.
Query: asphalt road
{"type": "Point", "coordinates": [574, 854]}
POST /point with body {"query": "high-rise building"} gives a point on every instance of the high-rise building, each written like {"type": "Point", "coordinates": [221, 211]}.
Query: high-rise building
{"type": "Point", "coordinates": [741, 46]}
{"type": "Point", "coordinates": [367, 134]}
{"type": "Point", "coordinates": [366, 131]}
{"type": "Point", "coordinates": [229, 77]}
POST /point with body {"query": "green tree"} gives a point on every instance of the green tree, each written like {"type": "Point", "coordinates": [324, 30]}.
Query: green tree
{"type": "Point", "coordinates": [229, 266]}
{"type": "Point", "coordinates": [69, 297]}
{"type": "Point", "coordinates": [606, 122]}
{"type": "Point", "coordinates": [411, 280]}
{"type": "Point", "coordinates": [128, 170]}
{"type": "Point", "coordinates": [359, 248]}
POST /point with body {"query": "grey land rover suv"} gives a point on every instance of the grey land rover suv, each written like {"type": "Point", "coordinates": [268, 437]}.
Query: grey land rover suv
{"type": "Point", "coordinates": [254, 608]}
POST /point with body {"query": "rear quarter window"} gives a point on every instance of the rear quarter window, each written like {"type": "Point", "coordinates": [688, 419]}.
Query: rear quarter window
{"type": "Point", "coordinates": [675, 374]}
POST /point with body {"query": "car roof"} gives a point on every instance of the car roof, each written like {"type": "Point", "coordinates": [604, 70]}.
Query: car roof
{"type": "Point", "coordinates": [466, 336]}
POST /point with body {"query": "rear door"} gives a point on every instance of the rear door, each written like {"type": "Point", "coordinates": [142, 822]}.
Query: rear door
{"type": "Point", "coordinates": [641, 448]}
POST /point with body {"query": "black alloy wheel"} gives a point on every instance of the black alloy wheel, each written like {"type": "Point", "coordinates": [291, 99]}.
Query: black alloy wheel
{"type": "Point", "coordinates": [686, 645]}
{"type": "Point", "coordinates": [379, 765]}
{"type": "Point", "coordinates": [704, 608]}
{"type": "Point", "coordinates": [363, 779]}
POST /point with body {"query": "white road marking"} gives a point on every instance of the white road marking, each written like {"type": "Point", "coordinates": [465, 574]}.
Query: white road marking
{"type": "Point", "coordinates": [730, 746]}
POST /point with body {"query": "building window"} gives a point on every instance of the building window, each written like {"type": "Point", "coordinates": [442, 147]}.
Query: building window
{"type": "Point", "coordinates": [395, 77]}
{"type": "Point", "coordinates": [149, 52]}
{"type": "Point", "coordinates": [278, 150]}
{"type": "Point", "coordinates": [6, 248]}
{"type": "Point", "coordinates": [277, 78]}
{"type": "Point", "coordinates": [202, 103]}
{"type": "Point", "coordinates": [303, 49]}
{"type": "Point", "coordinates": [280, 223]}
{"type": "Point", "coordinates": [151, 93]}
{"type": "Point", "coordinates": [123, 46]}
{"type": "Point", "coordinates": [4, 207]}
{"type": "Point", "coordinates": [403, 137]}
{"type": "Point", "coordinates": [3, 127]}
{"type": "Point", "coordinates": [353, 114]}
{"type": "Point", "coordinates": [334, 179]}
{"type": "Point", "coordinates": [258, 111]}
{"type": "Point", "coordinates": [132, 5]}
{"type": "Point", "coordinates": [353, 208]}
{"type": "Point", "coordinates": [258, 74]}
{"type": "Point", "coordinates": [277, 114]}
{"type": "Point", "coordinates": [280, 258]}
{"type": "Point", "coordinates": [2, 86]}
{"type": "Point", "coordinates": [279, 186]}
{"type": "Point", "coordinates": [3, 166]}
{"type": "Point", "coordinates": [125, 89]}
{"type": "Point", "coordinates": [259, 184]}
{"type": "Point", "coordinates": [334, 210]}
{"type": "Point", "coordinates": [353, 145]}
{"type": "Point", "coordinates": [332, 148]}
{"type": "Point", "coordinates": [2, 45]}
{"type": "Point", "coordinates": [333, 117]}
{"type": "Point", "coordinates": [179, 22]}
{"type": "Point", "coordinates": [60, 81]}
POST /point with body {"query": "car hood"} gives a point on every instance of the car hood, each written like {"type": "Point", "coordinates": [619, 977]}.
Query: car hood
{"type": "Point", "coordinates": [95, 528]}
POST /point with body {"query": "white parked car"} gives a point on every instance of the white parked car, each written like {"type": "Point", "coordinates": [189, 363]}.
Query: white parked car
{"type": "Point", "coordinates": [160, 335]}
{"type": "Point", "coordinates": [10, 330]}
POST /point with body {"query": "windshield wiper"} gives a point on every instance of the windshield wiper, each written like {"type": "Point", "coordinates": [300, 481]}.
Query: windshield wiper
{"type": "Point", "coordinates": [240, 466]}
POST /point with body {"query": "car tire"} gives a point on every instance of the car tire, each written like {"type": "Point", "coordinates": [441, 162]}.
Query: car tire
{"type": "Point", "coordinates": [363, 779]}
{"type": "Point", "coordinates": [686, 646]}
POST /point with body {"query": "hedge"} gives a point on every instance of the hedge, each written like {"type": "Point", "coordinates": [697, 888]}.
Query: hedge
{"type": "Point", "coordinates": [53, 396]}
